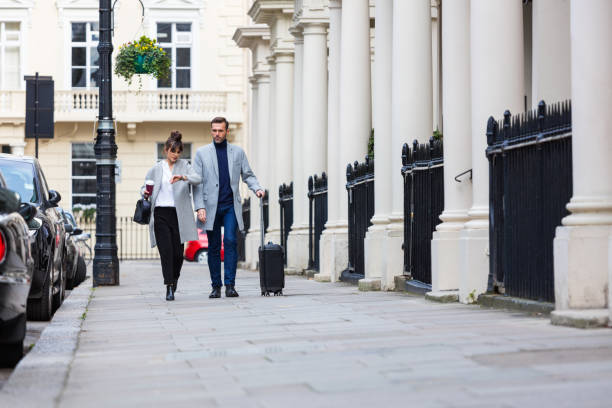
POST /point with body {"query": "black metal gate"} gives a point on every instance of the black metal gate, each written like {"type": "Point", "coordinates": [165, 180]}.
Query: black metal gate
{"type": "Point", "coordinates": [317, 216]}
{"type": "Point", "coordinates": [360, 187]}
{"type": "Point", "coordinates": [423, 171]}
{"type": "Point", "coordinates": [530, 183]}
{"type": "Point", "coordinates": [285, 199]}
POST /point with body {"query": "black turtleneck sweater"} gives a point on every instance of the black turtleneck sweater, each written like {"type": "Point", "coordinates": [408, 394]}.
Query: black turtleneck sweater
{"type": "Point", "coordinates": [226, 197]}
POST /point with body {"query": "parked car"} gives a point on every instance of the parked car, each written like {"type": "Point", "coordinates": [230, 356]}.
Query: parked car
{"type": "Point", "coordinates": [77, 238]}
{"type": "Point", "coordinates": [71, 257]}
{"type": "Point", "coordinates": [16, 270]}
{"type": "Point", "coordinates": [25, 176]}
{"type": "Point", "coordinates": [197, 251]}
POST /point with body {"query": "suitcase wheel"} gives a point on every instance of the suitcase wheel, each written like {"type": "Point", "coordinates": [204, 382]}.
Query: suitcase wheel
{"type": "Point", "coordinates": [265, 293]}
{"type": "Point", "coordinates": [278, 293]}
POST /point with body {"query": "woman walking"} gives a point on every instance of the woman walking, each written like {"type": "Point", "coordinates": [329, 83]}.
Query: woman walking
{"type": "Point", "coordinates": [172, 217]}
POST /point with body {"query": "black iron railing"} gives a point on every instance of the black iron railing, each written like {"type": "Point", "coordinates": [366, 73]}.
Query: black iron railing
{"type": "Point", "coordinates": [285, 199]}
{"type": "Point", "coordinates": [423, 171]}
{"type": "Point", "coordinates": [241, 236]}
{"type": "Point", "coordinates": [317, 216]}
{"type": "Point", "coordinates": [530, 182]}
{"type": "Point", "coordinates": [360, 187]}
{"type": "Point", "coordinates": [133, 241]}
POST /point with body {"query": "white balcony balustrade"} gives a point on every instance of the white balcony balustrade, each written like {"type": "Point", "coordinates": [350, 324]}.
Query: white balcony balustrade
{"type": "Point", "coordinates": [145, 106]}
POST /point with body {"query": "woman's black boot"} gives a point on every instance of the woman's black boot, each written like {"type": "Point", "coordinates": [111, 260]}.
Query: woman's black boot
{"type": "Point", "coordinates": [169, 292]}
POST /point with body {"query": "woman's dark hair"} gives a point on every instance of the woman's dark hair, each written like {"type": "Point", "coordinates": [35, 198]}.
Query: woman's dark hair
{"type": "Point", "coordinates": [174, 142]}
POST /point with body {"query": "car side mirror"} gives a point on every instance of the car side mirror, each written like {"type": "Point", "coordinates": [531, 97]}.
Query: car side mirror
{"type": "Point", "coordinates": [54, 197]}
{"type": "Point", "coordinates": [69, 228]}
{"type": "Point", "coordinates": [27, 211]}
{"type": "Point", "coordinates": [77, 231]}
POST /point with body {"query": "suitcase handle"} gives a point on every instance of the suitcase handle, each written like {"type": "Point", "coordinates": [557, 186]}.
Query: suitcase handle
{"type": "Point", "coordinates": [261, 220]}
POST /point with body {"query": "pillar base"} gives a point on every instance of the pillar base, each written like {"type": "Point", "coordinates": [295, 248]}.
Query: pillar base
{"type": "Point", "coordinates": [474, 264]}
{"type": "Point", "coordinates": [375, 258]}
{"type": "Point", "coordinates": [297, 250]}
{"type": "Point", "coordinates": [443, 296]}
{"type": "Point", "coordinates": [394, 254]}
{"type": "Point", "coordinates": [368, 284]}
{"type": "Point", "coordinates": [582, 319]}
{"type": "Point", "coordinates": [581, 262]}
{"type": "Point", "coordinates": [445, 259]}
{"type": "Point", "coordinates": [333, 254]}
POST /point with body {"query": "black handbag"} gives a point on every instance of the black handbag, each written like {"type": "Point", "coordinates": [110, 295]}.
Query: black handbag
{"type": "Point", "coordinates": [142, 214]}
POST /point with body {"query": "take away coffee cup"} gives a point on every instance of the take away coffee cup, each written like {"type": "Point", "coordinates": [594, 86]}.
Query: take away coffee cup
{"type": "Point", "coordinates": [149, 187]}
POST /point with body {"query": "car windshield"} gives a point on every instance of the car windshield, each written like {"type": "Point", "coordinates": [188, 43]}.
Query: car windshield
{"type": "Point", "coordinates": [70, 219]}
{"type": "Point", "coordinates": [19, 177]}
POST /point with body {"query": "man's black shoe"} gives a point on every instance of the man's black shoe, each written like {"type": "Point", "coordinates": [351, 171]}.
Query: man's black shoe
{"type": "Point", "coordinates": [230, 292]}
{"type": "Point", "coordinates": [169, 292]}
{"type": "Point", "coordinates": [174, 286]}
{"type": "Point", "coordinates": [216, 293]}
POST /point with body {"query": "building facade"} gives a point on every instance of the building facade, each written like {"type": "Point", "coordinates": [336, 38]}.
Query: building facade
{"type": "Point", "coordinates": [327, 72]}
{"type": "Point", "coordinates": [59, 38]}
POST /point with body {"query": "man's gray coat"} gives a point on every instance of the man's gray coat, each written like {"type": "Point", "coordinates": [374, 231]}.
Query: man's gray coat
{"type": "Point", "coordinates": [182, 198]}
{"type": "Point", "coordinates": [206, 194]}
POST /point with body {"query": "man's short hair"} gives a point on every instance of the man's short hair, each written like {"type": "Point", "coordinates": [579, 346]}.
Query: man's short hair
{"type": "Point", "coordinates": [220, 119]}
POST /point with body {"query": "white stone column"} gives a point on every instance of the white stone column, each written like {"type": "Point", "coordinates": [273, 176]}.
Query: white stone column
{"type": "Point", "coordinates": [334, 242]}
{"type": "Point", "coordinates": [313, 132]}
{"type": "Point", "coordinates": [282, 168]}
{"type": "Point", "coordinates": [581, 245]}
{"type": "Point", "coordinates": [252, 236]}
{"type": "Point", "coordinates": [355, 118]}
{"type": "Point", "coordinates": [497, 83]}
{"type": "Point", "coordinates": [551, 74]}
{"type": "Point", "coordinates": [445, 255]}
{"type": "Point", "coordinates": [375, 240]}
{"type": "Point", "coordinates": [297, 242]}
{"type": "Point", "coordinates": [411, 109]}
{"type": "Point", "coordinates": [271, 148]}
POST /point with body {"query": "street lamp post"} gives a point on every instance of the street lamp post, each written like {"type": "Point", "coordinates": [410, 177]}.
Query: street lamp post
{"type": "Point", "coordinates": [106, 262]}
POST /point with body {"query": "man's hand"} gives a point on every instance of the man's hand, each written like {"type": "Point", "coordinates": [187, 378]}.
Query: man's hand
{"type": "Point", "coordinates": [260, 193]}
{"type": "Point", "coordinates": [202, 215]}
{"type": "Point", "coordinates": [176, 178]}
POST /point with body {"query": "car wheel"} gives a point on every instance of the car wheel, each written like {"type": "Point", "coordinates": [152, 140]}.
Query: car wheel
{"type": "Point", "coordinates": [81, 271]}
{"type": "Point", "coordinates": [14, 333]}
{"type": "Point", "coordinates": [58, 298]}
{"type": "Point", "coordinates": [10, 354]}
{"type": "Point", "coordinates": [40, 309]}
{"type": "Point", "coordinates": [201, 256]}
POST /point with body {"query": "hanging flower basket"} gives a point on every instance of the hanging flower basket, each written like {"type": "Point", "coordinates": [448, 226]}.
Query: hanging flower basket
{"type": "Point", "coordinates": [142, 57]}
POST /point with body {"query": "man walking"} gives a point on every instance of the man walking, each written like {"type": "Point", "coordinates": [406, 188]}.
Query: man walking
{"type": "Point", "coordinates": [217, 200]}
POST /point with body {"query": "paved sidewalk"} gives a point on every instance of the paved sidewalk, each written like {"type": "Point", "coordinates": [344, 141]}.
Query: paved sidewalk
{"type": "Point", "coordinates": [322, 345]}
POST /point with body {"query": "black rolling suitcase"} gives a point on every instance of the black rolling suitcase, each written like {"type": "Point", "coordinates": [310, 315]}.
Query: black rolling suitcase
{"type": "Point", "coordinates": [271, 264]}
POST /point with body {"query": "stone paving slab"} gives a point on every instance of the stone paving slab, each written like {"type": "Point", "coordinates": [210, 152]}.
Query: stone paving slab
{"type": "Point", "coordinates": [322, 345]}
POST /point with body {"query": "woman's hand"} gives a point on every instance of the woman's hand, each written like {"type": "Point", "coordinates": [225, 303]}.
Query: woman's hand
{"type": "Point", "coordinates": [177, 178]}
{"type": "Point", "coordinates": [202, 215]}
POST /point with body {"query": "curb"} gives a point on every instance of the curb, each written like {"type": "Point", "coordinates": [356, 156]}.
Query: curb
{"type": "Point", "coordinates": [48, 363]}
{"type": "Point", "coordinates": [519, 304]}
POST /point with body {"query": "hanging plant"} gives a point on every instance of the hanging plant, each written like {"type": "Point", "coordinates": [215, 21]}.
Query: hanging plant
{"type": "Point", "coordinates": [142, 57]}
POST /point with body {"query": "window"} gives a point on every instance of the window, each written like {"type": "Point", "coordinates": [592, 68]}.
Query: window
{"type": "Point", "coordinates": [83, 174]}
{"type": "Point", "coordinates": [176, 40]}
{"type": "Point", "coordinates": [19, 177]}
{"type": "Point", "coordinates": [185, 155]}
{"type": "Point", "coordinates": [10, 55]}
{"type": "Point", "coordinates": [84, 55]}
